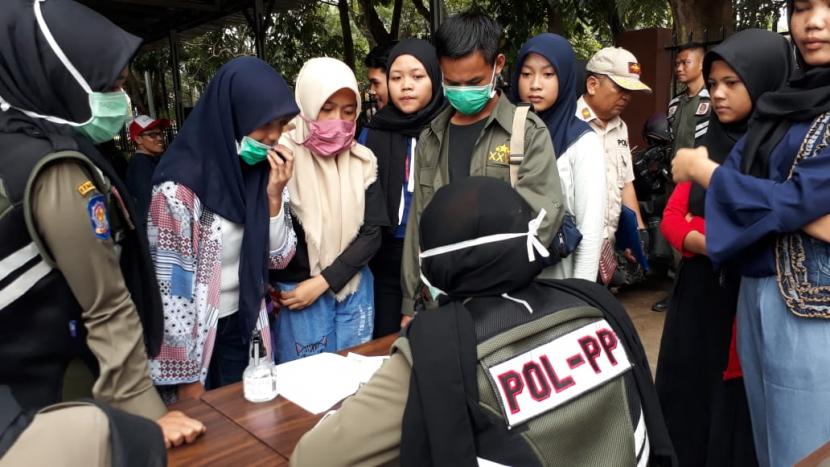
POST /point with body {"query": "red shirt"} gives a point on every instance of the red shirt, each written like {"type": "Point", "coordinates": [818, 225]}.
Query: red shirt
{"type": "Point", "coordinates": [674, 225]}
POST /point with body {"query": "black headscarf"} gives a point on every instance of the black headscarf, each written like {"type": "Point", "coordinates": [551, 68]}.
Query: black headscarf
{"type": "Point", "coordinates": [32, 78]}
{"type": "Point", "coordinates": [763, 61]}
{"type": "Point", "coordinates": [440, 420]}
{"type": "Point", "coordinates": [564, 126]}
{"type": "Point", "coordinates": [806, 96]}
{"type": "Point", "coordinates": [392, 119]}
{"type": "Point", "coordinates": [390, 129]}
{"type": "Point", "coordinates": [245, 94]}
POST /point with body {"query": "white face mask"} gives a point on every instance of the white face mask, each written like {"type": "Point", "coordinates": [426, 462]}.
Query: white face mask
{"type": "Point", "coordinates": [109, 111]}
{"type": "Point", "coordinates": [533, 244]}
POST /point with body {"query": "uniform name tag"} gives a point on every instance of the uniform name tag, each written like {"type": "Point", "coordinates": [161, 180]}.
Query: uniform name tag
{"type": "Point", "coordinates": [552, 374]}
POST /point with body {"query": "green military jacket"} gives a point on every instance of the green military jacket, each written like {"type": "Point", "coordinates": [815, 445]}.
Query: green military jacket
{"type": "Point", "coordinates": [538, 179]}
{"type": "Point", "coordinates": [688, 119]}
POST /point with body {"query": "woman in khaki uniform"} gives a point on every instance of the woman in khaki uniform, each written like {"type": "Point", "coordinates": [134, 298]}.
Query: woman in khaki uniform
{"type": "Point", "coordinates": [74, 266]}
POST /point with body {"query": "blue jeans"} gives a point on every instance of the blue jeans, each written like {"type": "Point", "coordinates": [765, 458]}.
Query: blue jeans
{"type": "Point", "coordinates": [786, 367]}
{"type": "Point", "coordinates": [327, 325]}
{"type": "Point", "coordinates": [230, 353]}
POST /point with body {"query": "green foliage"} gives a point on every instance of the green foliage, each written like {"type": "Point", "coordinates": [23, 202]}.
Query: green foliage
{"type": "Point", "coordinates": [762, 14]}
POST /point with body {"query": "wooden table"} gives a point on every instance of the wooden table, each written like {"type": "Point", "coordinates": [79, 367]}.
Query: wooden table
{"type": "Point", "coordinates": [275, 426]}
{"type": "Point", "coordinates": [818, 458]}
{"type": "Point", "coordinates": [224, 442]}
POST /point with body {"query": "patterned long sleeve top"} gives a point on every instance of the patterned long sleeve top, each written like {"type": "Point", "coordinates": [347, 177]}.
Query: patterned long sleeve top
{"type": "Point", "coordinates": [186, 247]}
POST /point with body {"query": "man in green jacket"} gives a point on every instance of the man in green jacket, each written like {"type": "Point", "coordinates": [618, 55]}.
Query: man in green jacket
{"type": "Point", "coordinates": [472, 137]}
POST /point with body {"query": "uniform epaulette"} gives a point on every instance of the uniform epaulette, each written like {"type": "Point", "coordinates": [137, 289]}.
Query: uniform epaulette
{"type": "Point", "coordinates": [704, 93]}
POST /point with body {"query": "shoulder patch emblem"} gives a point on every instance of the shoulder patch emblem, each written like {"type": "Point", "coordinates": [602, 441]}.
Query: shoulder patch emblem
{"type": "Point", "coordinates": [702, 109]}
{"type": "Point", "coordinates": [501, 155]}
{"type": "Point", "coordinates": [85, 188]}
{"type": "Point", "coordinates": [586, 114]}
{"type": "Point", "coordinates": [97, 210]}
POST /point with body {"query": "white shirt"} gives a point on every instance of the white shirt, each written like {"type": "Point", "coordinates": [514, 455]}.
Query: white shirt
{"type": "Point", "coordinates": [619, 168]}
{"type": "Point", "coordinates": [583, 177]}
{"type": "Point", "coordinates": [231, 250]}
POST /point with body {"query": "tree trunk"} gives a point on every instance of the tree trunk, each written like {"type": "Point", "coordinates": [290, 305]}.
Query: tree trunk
{"type": "Point", "coordinates": [137, 91]}
{"type": "Point", "coordinates": [374, 23]}
{"type": "Point", "coordinates": [422, 9]}
{"type": "Point", "coordinates": [345, 25]}
{"type": "Point", "coordinates": [555, 23]}
{"type": "Point", "coordinates": [395, 28]}
{"type": "Point", "coordinates": [694, 20]}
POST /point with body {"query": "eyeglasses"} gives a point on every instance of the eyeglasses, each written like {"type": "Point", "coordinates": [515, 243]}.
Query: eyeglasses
{"type": "Point", "coordinates": [152, 134]}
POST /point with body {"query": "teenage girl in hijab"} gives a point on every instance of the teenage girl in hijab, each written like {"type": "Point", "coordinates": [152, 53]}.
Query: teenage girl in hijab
{"type": "Point", "coordinates": [218, 222]}
{"type": "Point", "coordinates": [77, 279]}
{"type": "Point", "coordinates": [766, 210]}
{"type": "Point", "coordinates": [698, 378]}
{"type": "Point", "coordinates": [326, 292]}
{"type": "Point", "coordinates": [546, 78]}
{"type": "Point", "coordinates": [415, 98]}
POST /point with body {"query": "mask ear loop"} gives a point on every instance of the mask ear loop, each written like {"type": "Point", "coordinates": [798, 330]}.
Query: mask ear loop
{"type": "Point", "coordinates": [41, 22]}
{"type": "Point", "coordinates": [50, 39]}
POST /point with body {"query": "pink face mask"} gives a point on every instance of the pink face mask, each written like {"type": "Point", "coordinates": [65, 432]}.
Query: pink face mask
{"type": "Point", "coordinates": [329, 138]}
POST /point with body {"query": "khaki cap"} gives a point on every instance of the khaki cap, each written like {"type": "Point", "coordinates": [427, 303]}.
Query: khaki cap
{"type": "Point", "coordinates": [620, 65]}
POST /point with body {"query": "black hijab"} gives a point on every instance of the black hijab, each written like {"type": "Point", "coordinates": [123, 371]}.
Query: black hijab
{"type": "Point", "coordinates": [440, 421]}
{"type": "Point", "coordinates": [32, 78]}
{"type": "Point", "coordinates": [806, 96]}
{"type": "Point", "coordinates": [763, 61]}
{"type": "Point", "coordinates": [245, 94]}
{"type": "Point", "coordinates": [391, 129]}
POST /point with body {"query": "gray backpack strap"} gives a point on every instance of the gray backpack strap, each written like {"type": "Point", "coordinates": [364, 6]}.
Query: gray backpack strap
{"type": "Point", "coordinates": [517, 141]}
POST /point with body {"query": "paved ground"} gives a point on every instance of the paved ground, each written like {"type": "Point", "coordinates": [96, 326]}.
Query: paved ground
{"type": "Point", "coordinates": [637, 301]}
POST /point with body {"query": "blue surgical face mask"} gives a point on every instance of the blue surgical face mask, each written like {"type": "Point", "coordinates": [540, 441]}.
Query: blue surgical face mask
{"type": "Point", "coordinates": [109, 111]}
{"type": "Point", "coordinates": [470, 100]}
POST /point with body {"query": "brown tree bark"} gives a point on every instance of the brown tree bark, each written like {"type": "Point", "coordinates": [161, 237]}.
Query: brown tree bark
{"type": "Point", "coordinates": [346, 27]}
{"type": "Point", "coordinates": [693, 18]}
{"type": "Point", "coordinates": [374, 23]}
{"type": "Point", "coordinates": [395, 27]}
{"type": "Point", "coordinates": [423, 9]}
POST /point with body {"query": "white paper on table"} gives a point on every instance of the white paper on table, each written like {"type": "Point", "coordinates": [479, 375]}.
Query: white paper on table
{"type": "Point", "coordinates": [485, 463]}
{"type": "Point", "coordinates": [366, 366]}
{"type": "Point", "coordinates": [318, 382]}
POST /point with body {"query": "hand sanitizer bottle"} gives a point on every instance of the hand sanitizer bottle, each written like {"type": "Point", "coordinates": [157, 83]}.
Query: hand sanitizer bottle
{"type": "Point", "coordinates": [258, 381]}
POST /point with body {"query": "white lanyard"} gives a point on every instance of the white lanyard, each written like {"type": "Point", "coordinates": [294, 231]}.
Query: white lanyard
{"type": "Point", "coordinates": [47, 34]}
{"type": "Point", "coordinates": [410, 184]}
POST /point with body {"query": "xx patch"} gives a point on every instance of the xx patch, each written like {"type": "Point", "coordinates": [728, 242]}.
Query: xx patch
{"type": "Point", "coordinates": [501, 155]}
{"type": "Point", "coordinates": [554, 373]}
{"type": "Point", "coordinates": [97, 210]}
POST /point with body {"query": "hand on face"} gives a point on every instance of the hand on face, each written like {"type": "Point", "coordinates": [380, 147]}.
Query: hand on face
{"type": "Point", "coordinates": [281, 161]}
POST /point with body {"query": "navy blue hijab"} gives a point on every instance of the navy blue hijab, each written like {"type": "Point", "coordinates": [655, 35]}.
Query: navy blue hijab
{"type": "Point", "coordinates": [564, 127]}
{"type": "Point", "coordinates": [245, 94]}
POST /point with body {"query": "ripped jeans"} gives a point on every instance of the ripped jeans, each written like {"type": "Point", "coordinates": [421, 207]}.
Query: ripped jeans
{"type": "Point", "coordinates": [327, 325]}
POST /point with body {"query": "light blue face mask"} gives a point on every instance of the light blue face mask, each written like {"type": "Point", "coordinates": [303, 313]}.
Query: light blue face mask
{"type": "Point", "coordinates": [109, 111]}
